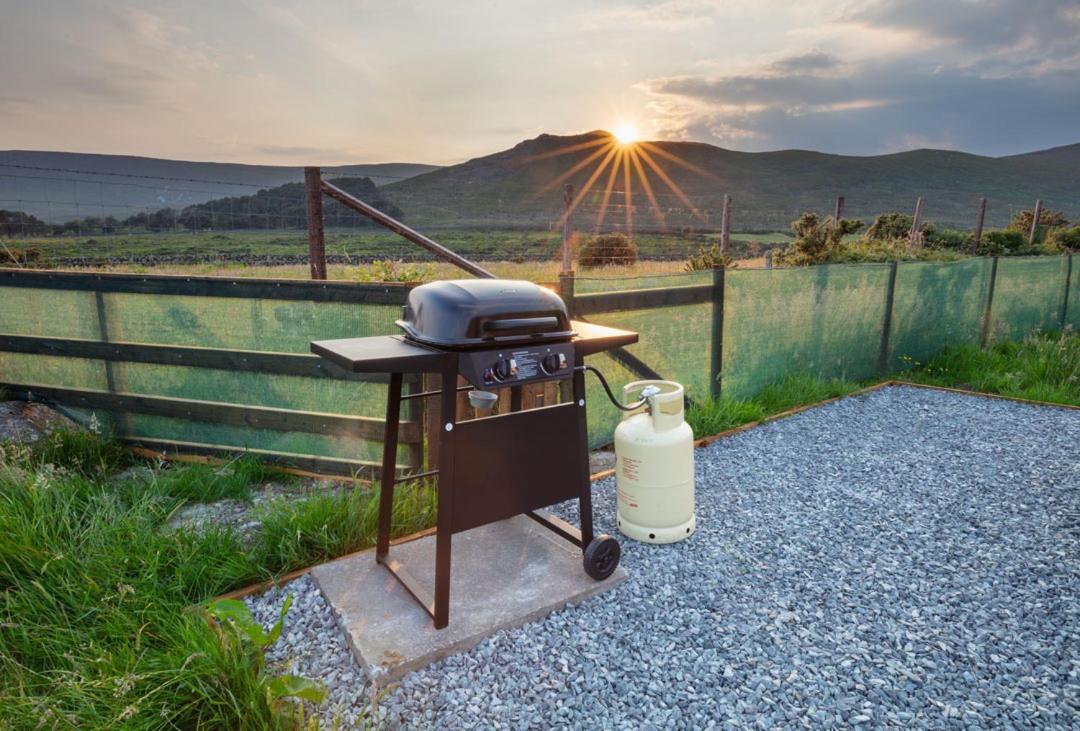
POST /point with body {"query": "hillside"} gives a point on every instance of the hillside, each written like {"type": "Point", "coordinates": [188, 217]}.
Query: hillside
{"type": "Point", "coordinates": [60, 186]}
{"type": "Point", "coordinates": [769, 189]}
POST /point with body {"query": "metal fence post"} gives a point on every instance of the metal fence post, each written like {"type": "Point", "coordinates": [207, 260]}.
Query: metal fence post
{"type": "Point", "coordinates": [717, 367]}
{"type": "Point", "coordinates": [987, 313]}
{"type": "Point", "coordinates": [1068, 285]}
{"type": "Point", "coordinates": [886, 323]}
{"type": "Point", "coordinates": [316, 232]}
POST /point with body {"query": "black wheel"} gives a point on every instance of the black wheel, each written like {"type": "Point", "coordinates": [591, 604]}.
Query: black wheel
{"type": "Point", "coordinates": [602, 557]}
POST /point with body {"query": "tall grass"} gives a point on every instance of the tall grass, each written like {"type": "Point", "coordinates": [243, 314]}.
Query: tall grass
{"type": "Point", "coordinates": [97, 626]}
{"type": "Point", "coordinates": [713, 416]}
{"type": "Point", "coordinates": [1042, 367]}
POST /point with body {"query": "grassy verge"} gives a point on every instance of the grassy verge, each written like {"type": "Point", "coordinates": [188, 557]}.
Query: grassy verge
{"type": "Point", "coordinates": [1042, 367]}
{"type": "Point", "coordinates": [716, 415]}
{"type": "Point", "coordinates": [96, 625]}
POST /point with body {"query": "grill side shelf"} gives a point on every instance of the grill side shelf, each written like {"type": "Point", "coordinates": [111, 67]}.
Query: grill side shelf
{"type": "Point", "coordinates": [380, 354]}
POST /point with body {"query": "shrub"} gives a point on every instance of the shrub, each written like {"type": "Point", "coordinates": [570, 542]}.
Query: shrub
{"type": "Point", "coordinates": [709, 258]}
{"type": "Point", "coordinates": [1048, 220]}
{"type": "Point", "coordinates": [949, 238]}
{"type": "Point", "coordinates": [1005, 242]}
{"type": "Point", "coordinates": [608, 250]}
{"type": "Point", "coordinates": [20, 257]}
{"type": "Point", "coordinates": [1064, 239]}
{"type": "Point", "coordinates": [893, 225]}
{"type": "Point", "coordinates": [815, 240]}
{"type": "Point", "coordinates": [389, 270]}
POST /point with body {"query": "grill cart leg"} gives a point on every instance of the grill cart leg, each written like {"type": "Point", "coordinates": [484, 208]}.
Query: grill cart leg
{"type": "Point", "coordinates": [600, 554]}
{"type": "Point", "coordinates": [585, 498]}
{"type": "Point", "coordinates": [386, 486]}
{"type": "Point", "coordinates": [446, 494]}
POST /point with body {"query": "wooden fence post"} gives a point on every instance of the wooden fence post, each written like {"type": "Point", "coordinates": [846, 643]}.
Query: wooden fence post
{"type": "Point", "coordinates": [768, 258]}
{"type": "Point", "coordinates": [725, 226]}
{"type": "Point", "coordinates": [717, 365]}
{"type": "Point", "coordinates": [988, 312]}
{"type": "Point", "coordinates": [977, 238]}
{"type": "Point", "coordinates": [839, 212]}
{"type": "Point", "coordinates": [915, 234]}
{"type": "Point", "coordinates": [567, 230]}
{"type": "Point", "coordinates": [1036, 215]}
{"type": "Point", "coordinates": [886, 322]}
{"type": "Point", "coordinates": [316, 231]}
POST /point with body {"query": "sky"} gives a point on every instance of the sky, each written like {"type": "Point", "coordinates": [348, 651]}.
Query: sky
{"type": "Point", "coordinates": [334, 82]}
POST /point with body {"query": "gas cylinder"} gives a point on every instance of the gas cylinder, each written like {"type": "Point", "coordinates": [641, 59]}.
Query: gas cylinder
{"type": "Point", "coordinates": [654, 465]}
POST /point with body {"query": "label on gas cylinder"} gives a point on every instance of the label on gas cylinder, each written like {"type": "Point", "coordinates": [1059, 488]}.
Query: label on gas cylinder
{"type": "Point", "coordinates": [528, 363]}
{"type": "Point", "coordinates": [630, 468]}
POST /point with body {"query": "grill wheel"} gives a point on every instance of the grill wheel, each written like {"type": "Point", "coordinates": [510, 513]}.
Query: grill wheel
{"type": "Point", "coordinates": [601, 557]}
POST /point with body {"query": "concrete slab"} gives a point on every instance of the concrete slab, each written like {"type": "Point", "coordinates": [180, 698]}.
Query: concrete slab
{"type": "Point", "coordinates": [503, 575]}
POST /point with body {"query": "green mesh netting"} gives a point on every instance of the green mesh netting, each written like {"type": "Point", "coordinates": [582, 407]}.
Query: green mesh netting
{"type": "Point", "coordinates": [1028, 295]}
{"type": "Point", "coordinates": [214, 322]}
{"type": "Point", "coordinates": [1073, 314]}
{"type": "Point", "coordinates": [825, 321]}
{"type": "Point", "coordinates": [936, 305]}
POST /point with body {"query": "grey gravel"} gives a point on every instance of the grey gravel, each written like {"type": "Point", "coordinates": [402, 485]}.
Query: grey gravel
{"type": "Point", "coordinates": [903, 558]}
{"type": "Point", "coordinates": [311, 645]}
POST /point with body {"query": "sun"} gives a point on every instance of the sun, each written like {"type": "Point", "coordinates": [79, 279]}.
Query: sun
{"type": "Point", "coordinates": [626, 133]}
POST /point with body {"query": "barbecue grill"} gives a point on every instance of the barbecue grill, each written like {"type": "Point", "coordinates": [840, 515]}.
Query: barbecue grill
{"type": "Point", "coordinates": [495, 334]}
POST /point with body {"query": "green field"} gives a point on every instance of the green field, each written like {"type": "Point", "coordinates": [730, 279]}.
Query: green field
{"type": "Point", "coordinates": [361, 244]}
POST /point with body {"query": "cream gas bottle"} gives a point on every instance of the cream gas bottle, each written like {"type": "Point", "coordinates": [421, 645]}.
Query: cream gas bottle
{"type": "Point", "coordinates": [654, 465]}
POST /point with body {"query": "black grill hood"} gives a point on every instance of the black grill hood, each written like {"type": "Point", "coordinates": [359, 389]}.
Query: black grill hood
{"type": "Point", "coordinates": [476, 313]}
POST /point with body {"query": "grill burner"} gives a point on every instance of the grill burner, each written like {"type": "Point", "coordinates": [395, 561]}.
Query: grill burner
{"type": "Point", "coordinates": [494, 333]}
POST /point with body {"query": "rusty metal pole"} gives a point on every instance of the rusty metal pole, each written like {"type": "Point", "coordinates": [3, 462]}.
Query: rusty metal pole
{"type": "Point", "coordinates": [567, 231]}
{"type": "Point", "coordinates": [1035, 216]}
{"type": "Point", "coordinates": [915, 234]}
{"type": "Point", "coordinates": [316, 231]}
{"type": "Point", "coordinates": [725, 226]}
{"type": "Point", "coordinates": [977, 238]}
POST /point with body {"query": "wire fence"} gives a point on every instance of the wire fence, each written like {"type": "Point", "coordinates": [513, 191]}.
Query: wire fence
{"type": "Point", "coordinates": [80, 216]}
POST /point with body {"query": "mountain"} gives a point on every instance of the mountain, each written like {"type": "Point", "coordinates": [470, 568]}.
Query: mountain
{"type": "Point", "coordinates": [60, 186]}
{"type": "Point", "coordinates": [768, 189]}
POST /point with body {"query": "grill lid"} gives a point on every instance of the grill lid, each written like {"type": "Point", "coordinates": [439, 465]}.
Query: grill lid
{"type": "Point", "coordinates": [471, 313]}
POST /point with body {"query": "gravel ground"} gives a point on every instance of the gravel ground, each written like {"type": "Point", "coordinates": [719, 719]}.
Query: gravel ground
{"type": "Point", "coordinates": [908, 557]}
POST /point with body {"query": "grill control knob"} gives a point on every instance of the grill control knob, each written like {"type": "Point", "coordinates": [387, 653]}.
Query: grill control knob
{"type": "Point", "coordinates": [505, 368]}
{"type": "Point", "coordinates": [553, 363]}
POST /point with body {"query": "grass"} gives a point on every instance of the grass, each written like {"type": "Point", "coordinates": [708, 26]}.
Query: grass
{"type": "Point", "coordinates": [713, 416]}
{"type": "Point", "coordinates": [1042, 367]}
{"type": "Point", "coordinates": [480, 244]}
{"type": "Point", "coordinates": [97, 627]}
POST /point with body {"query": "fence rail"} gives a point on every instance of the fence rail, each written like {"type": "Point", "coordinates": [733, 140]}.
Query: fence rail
{"type": "Point", "coordinates": [237, 371]}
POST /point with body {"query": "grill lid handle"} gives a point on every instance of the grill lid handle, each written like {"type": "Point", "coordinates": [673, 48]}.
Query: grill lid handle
{"type": "Point", "coordinates": [539, 324]}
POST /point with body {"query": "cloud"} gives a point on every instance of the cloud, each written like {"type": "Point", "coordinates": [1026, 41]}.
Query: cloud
{"type": "Point", "coordinates": [988, 75]}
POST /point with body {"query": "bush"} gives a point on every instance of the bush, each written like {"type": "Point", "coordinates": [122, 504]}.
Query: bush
{"type": "Point", "coordinates": [948, 238]}
{"type": "Point", "coordinates": [1005, 242]}
{"type": "Point", "coordinates": [608, 250]}
{"type": "Point", "coordinates": [710, 258]}
{"type": "Point", "coordinates": [891, 226]}
{"type": "Point", "coordinates": [1048, 220]}
{"type": "Point", "coordinates": [395, 271]}
{"type": "Point", "coordinates": [1064, 239]}
{"type": "Point", "coordinates": [815, 240]}
{"type": "Point", "coordinates": [20, 257]}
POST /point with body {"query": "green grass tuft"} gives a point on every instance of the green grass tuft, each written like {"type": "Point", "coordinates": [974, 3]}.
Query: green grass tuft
{"type": "Point", "coordinates": [303, 532]}
{"type": "Point", "coordinates": [205, 483]}
{"type": "Point", "coordinates": [1042, 367]}
{"type": "Point", "coordinates": [713, 416]}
